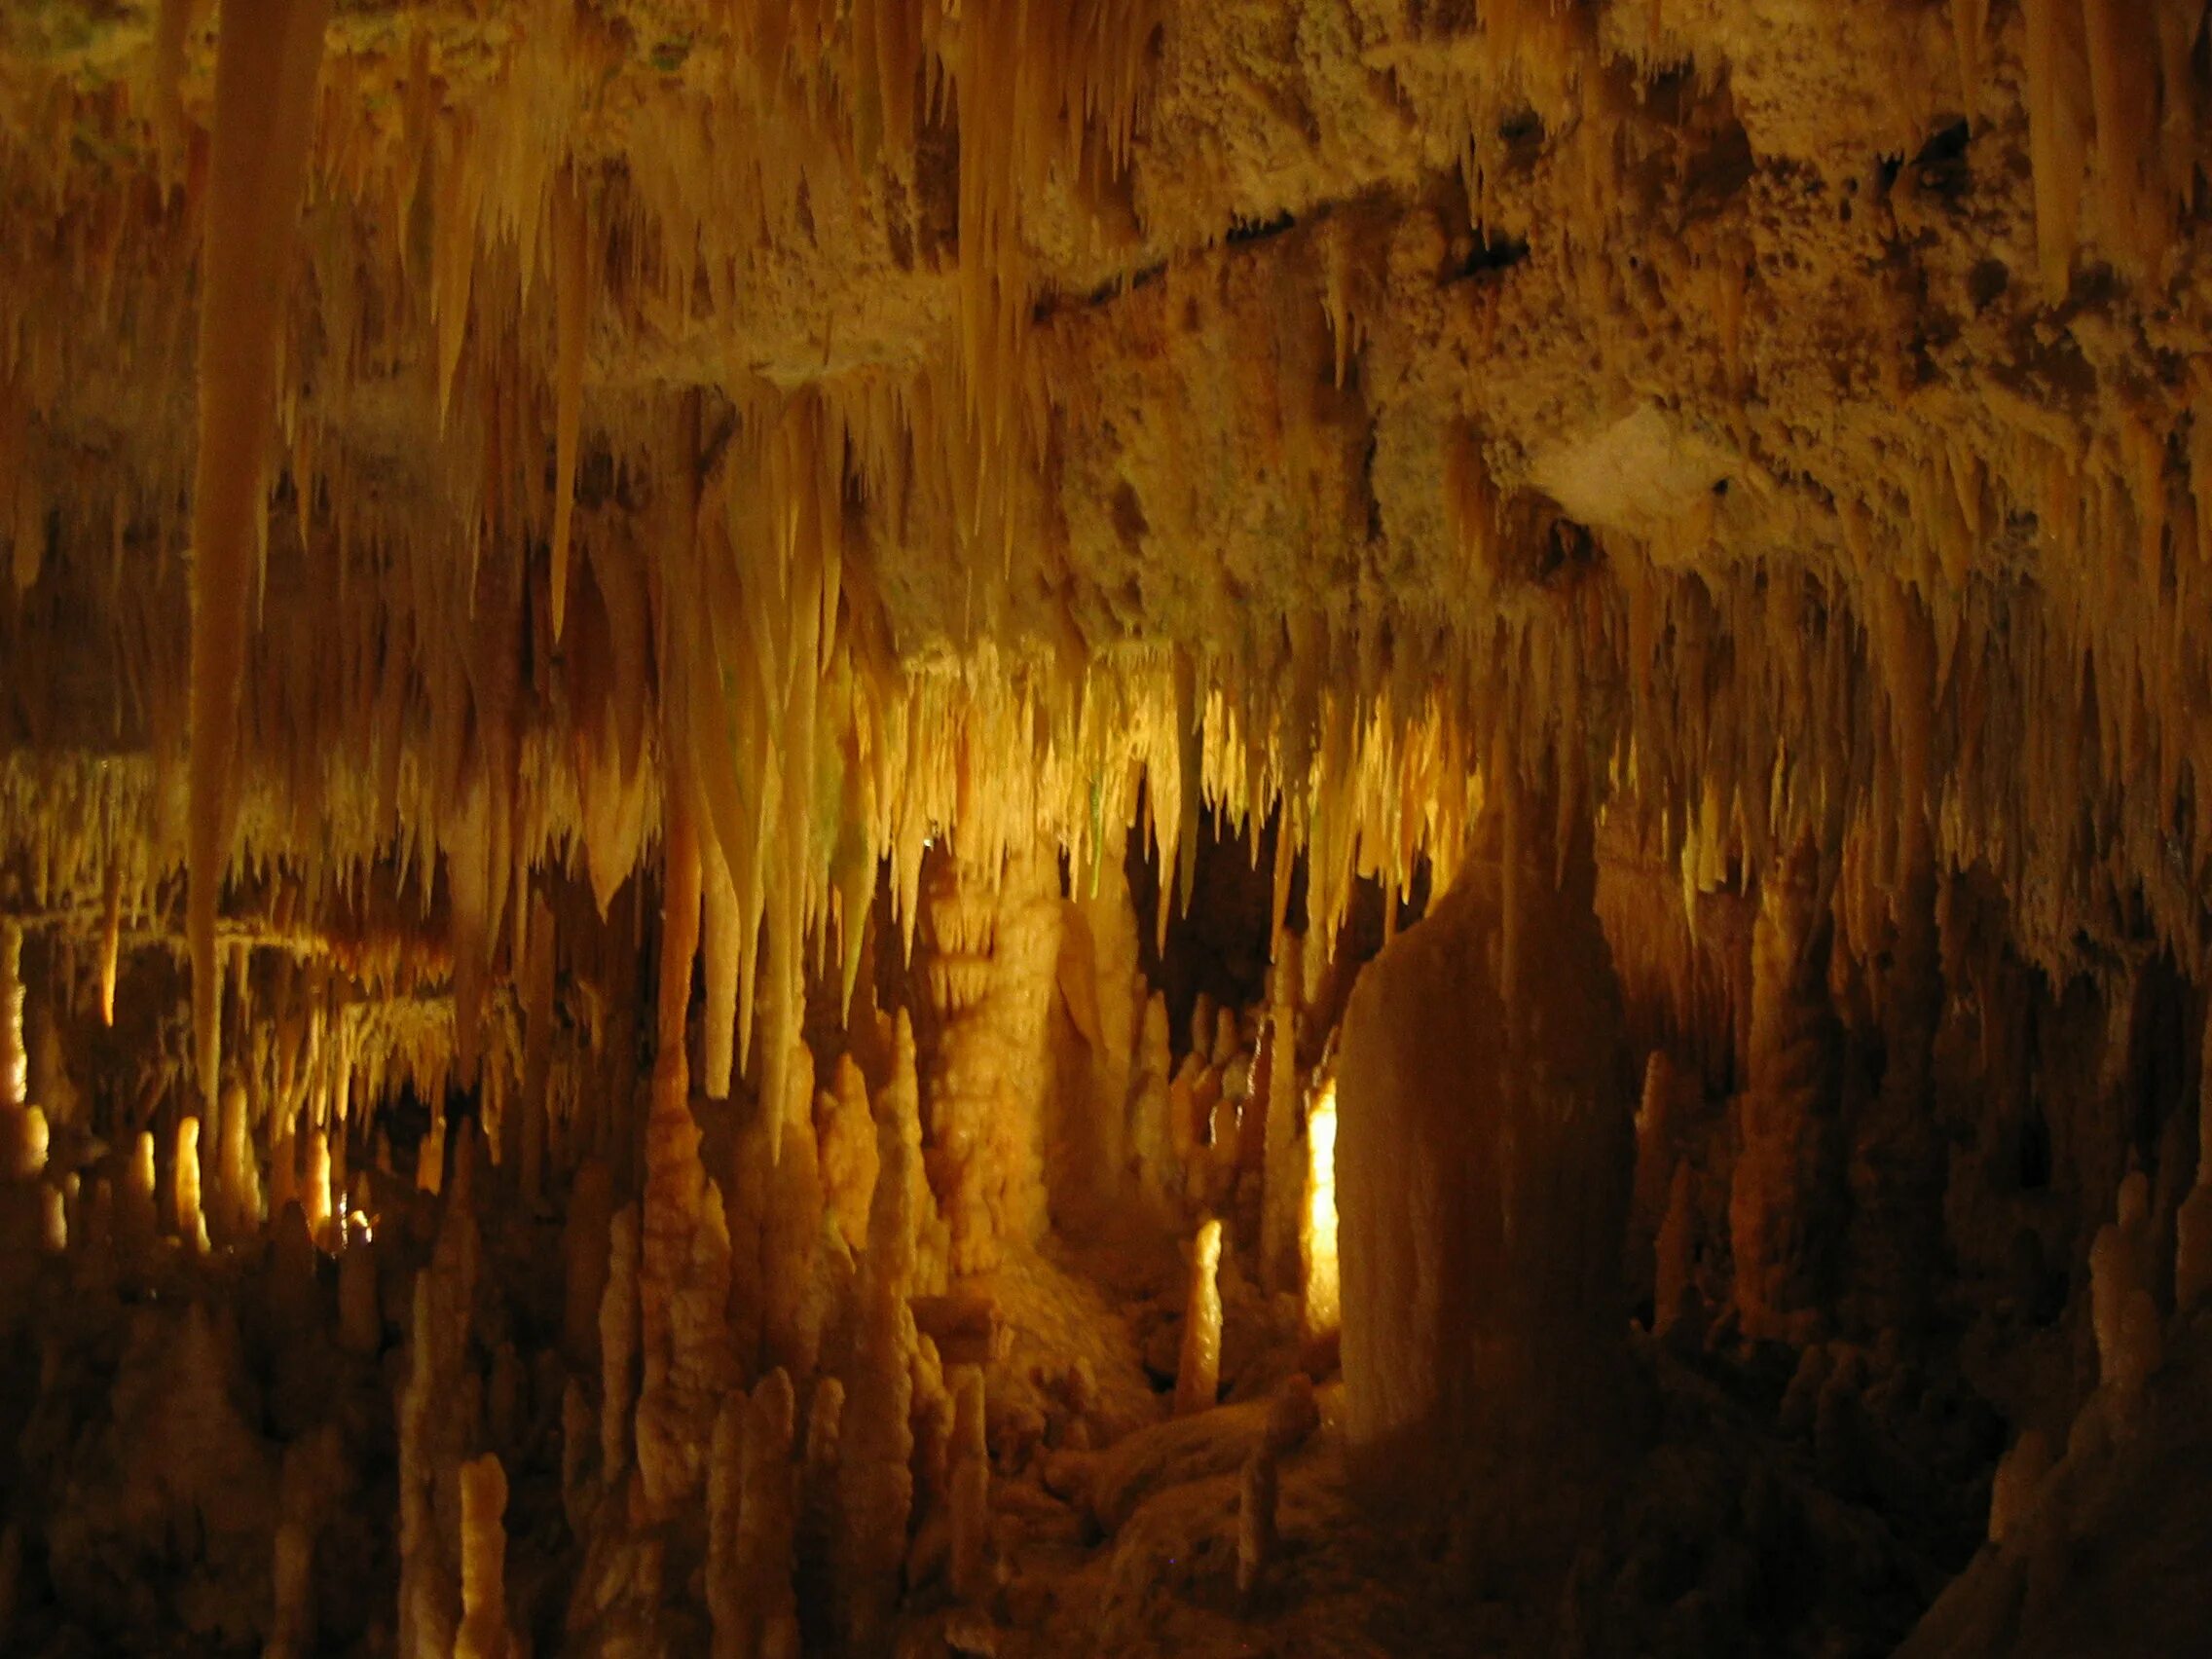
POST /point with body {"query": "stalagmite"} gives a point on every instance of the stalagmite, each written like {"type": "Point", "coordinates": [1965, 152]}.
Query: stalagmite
{"type": "Point", "coordinates": [1675, 1295]}
{"type": "Point", "coordinates": [725, 1498]}
{"type": "Point", "coordinates": [1896, 1161]}
{"type": "Point", "coordinates": [2130, 1338]}
{"type": "Point", "coordinates": [571, 276]}
{"type": "Point", "coordinates": [585, 1260]}
{"type": "Point", "coordinates": [970, 1572]}
{"type": "Point", "coordinates": [428, 1607]}
{"type": "Point", "coordinates": [1320, 1271]}
{"type": "Point", "coordinates": [688, 1360]}
{"type": "Point", "coordinates": [10, 1573]}
{"type": "Point", "coordinates": [135, 1220]}
{"type": "Point", "coordinates": [875, 1482]}
{"type": "Point", "coordinates": [483, 1630]}
{"type": "Point", "coordinates": [1158, 1175]}
{"type": "Point", "coordinates": [237, 1178]}
{"type": "Point", "coordinates": [14, 1062]}
{"type": "Point", "coordinates": [53, 1220]}
{"type": "Point", "coordinates": [1256, 1496]}
{"type": "Point", "coordinates": [618, 1343]}
{"type": "Point", "coordinates": [312, 1467]}
{"type": "Point", "coordinates": [2193, 1226]}
{"type": "Point", "coordinates": [766, 1520]}
{"type": "Point", "coordinates": [850, 1158]}
{"type": "Point", "coordinates": [284, 1173]}
{"type": "Point", "coordinates": [2017, 1484]}
{"type": "Point", "coordinates": [1189, 1100]}
{"type": "Point", "coordinates": [1471, 1308]}
{"type": "Point", "coordinates": [1785, 1199]}
{"type": "Point", "coordinates": [24, 1142]}
{"type": "Point", "coordinates": [994, 938]}
{"type": "Point", "coordinates": [360, 1315]}
{"type": "Point", "coordinates": [23, 1133]}
{"type": "Point", "coordinates": [795, 1313]}
{"type": "Point", "coordinates": [184, 1185]}
{"type": "Point", "coordinates": [815, 1539]}
{"type": "Point", "coordinates": [1655, 1159]}
{"type": "Point", "coordinates": [1284, 1218]}
{"type": "Point", "coordinates": [1109, 922]}
{"type": "Point", "coordinates": [613, 610]}
{"type": "Point", "coordinates": [314, 1188]}
{"type": "Point", "coordinates": [1198, 1374]}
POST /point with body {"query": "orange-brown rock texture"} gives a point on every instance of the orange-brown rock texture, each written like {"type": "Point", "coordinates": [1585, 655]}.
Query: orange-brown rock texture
{"type": "Point", "coordinates": [849, 826]}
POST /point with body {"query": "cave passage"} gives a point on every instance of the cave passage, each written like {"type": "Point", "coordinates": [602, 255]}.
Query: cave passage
{"type": "Point", "coordinates": [880, 828]}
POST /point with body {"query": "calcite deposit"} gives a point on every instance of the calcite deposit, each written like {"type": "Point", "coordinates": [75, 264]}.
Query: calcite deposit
{"type": "Point", "coordinates": [1059, 827]}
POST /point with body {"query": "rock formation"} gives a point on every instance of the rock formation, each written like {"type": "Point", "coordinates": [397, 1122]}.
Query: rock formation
{"type": "Point", "coordinates": [1483, 1162]}
{"type": "Point", "coordinates": [850, 827]}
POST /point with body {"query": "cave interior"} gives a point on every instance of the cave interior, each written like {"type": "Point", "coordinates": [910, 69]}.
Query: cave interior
{"type": "Point", "coordinates": [1034, 827]}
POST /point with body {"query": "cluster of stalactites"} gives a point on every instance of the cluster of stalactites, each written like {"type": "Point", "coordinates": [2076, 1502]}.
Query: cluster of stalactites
{"type": "Point", "coordinates": [741, 651]}
{"type": "Point", "coordinates": [513, 215]}
{"type": "Point", "coordinates": [2111, 96]}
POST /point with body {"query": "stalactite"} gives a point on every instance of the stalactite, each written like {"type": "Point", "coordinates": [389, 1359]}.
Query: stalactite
{"type": "Point", "coordinates": [723, 947]}
{"type": "Point", "coordinates": [111, 939]}
{"type": "Point", "coordinates": [267, 61]}
{"type": "Point", "coordinates": [929, 349]}
{"type": "Point", "coordinates": [2057, 126]}
{"type": "Point", "coordinates": [571, 281]}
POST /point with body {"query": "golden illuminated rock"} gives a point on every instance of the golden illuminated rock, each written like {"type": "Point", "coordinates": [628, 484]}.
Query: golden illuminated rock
{"type": "Point", "coordinates": [1480, 1069]}
{"type": "Point", "coordinates": [750, 697]}
{"type": "Point", "coordinates": [1198, 1371]}
{"type": "Point", "coordinates": [483, 1630]}
{"type": "Point", "coordinates": [994, 940]}
{"type": "Point", "coordinates": [970, 1571]}
{"type": "Point", "coordinates": [1788, 1196]}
